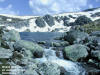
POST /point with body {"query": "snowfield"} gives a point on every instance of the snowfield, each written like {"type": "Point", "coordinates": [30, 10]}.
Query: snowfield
{"type": "Point", "coordinates": [59, 26]}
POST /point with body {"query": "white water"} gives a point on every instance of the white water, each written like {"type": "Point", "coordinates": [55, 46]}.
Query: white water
{"type": "Point", "coordinates": [71, 67]}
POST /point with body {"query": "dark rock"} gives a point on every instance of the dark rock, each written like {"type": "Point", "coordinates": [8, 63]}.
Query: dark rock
{"type": "Point", "coordinates": [16, 58]}
{"type": "Point", "coordinates": [66, 23]}
{"type": "Point", "coordinates": [97, 39]}
{"type": "Point", "coordinates": [49, 20]}
{"type": "Point", "coordinates": [94, 62]}
{"type": "Point", "coordinates": [40, 22]}
{"type": "Point", "coordinates": [72, 16]}
{"type": "Point", "coordinates": [72, 24]}
{"type": "Point", "coordinates": [96, 54]}
{"type": "Point", "coordinates": [63, 71]}
{"type": "Point", "coordinates": [64, 18]}
{"type": "Point", "coordinates": [59, 54]}
{"type": "Point", "coordinates": [3, 29]}
{"type": "Point", "coordinates": [42, 42]}
{"type": "Point", "coordinates": [97, 14]}
{"type": "Point", "coordinates": [58, 19]}
{"type": "Point", "coordinates": [75, 52]}
{"type": "Point", "coordinates": [94, 72]}
{"type": "Point", "coordinates": [97, 47]}
{"type": "Point", "coordinates": [91, 70]}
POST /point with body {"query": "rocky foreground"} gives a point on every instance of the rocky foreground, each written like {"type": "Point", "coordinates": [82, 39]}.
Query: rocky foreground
{"type": "Point", "coordinates": [76, 45]}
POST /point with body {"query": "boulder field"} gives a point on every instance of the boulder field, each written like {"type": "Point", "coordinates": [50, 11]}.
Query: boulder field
{"type": "Point", "coordinates": [76, 46]}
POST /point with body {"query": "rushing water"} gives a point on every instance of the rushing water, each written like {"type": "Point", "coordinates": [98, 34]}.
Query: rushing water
{"type": "Point", "coordinates": [71, 67]}
{"type": "Point", "coordinates": [50, 55]}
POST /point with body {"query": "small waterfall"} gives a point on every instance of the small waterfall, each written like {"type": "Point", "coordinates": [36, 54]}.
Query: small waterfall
{"type": "Point", "coordinates": [71, 67]}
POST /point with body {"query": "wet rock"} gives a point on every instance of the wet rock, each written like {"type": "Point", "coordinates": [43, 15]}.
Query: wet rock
{"type": "Point", "coordinates": [59, 54]}
{"type": "Point", "coordinates": [75, 52]}
{"type": "Point", "coordinates": [34, 48]}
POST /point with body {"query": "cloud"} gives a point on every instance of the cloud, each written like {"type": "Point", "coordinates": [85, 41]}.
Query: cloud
{"type": "Point", "coordinates": [8, 10]}
{"type": "Point", "coordinates": [2, 0]}
{"type": "Point", "coordinates": [42, 7]}
{"type": "Point", "coordinates": [90, 6]}
{"type": "Point", "coordinates": [97, 0]}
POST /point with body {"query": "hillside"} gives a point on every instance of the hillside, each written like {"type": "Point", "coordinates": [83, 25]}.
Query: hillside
{"type": "Point", "coordinates": [46, 23]}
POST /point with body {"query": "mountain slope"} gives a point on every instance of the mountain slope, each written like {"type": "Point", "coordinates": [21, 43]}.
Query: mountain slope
{"type": "Point", "coordinates": [47, 23]}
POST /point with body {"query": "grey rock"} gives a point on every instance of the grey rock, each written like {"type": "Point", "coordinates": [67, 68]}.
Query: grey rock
{"type": "Point", "coordinates": [5, 53]}
{"type": "Point", "coordinates": [56, 44]}
{"type": "Point", "coordinates": [75, 36]}
{"type": "Point", "coordinates": [95, 33]}
{"type": "Point", "coordinates": [11, 35]}
{"type": "Point", "coordinates": [75, 52]}
{"type": "Point", "coordinates": [36, 50]}
{"type": "Point", "coordinates": [49, 68]}
{"type": "Point", "coordinates": [60, 44]}
{"type": "Point", "coordinates": [31, 69]}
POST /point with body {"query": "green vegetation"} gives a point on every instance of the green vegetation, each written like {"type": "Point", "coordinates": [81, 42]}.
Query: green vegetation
{"type": "Point", "coordinates": [93, 26]}
{"type": "Point", "coordinates": [82, 20]}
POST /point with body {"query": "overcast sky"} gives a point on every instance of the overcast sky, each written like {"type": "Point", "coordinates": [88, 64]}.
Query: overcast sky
{"type": "Point", "coordinates": [42, 7]}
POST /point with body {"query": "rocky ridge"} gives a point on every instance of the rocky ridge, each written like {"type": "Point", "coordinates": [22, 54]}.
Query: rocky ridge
{"type": "Point", "coordinates": [47, 23]}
